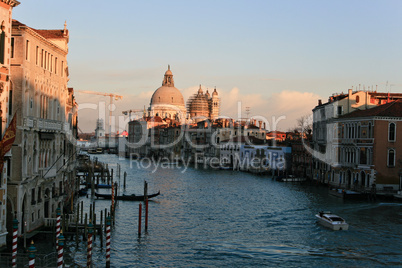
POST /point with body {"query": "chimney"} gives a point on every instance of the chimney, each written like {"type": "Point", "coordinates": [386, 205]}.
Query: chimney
{"type": "Point", "coordinates": [255, 122]}
{"type": "Point", "coordinates": [265, 126]}
{"type": "Point", "coordinates": [350, 92]}
{"type": "Point", "coordinates": [259, 124]}
{"type": "Point", "coordinates": [319, 102]}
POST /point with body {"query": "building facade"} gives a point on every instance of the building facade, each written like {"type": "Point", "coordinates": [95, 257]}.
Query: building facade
{"type": "Point", "coordinates": [6, 111]}
{"type": "Point", "coordinates": [324, 115]}
{"type": "Point", "coordinates": [43, 169]}
{"type": "Point", "coordinates": [367, 147]}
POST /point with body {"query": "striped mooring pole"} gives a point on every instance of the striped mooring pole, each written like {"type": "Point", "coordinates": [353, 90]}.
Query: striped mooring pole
{"type": "Point", "coordinates": [108, 223]}
{"type": "Point", "coordinates": [15, 243]}
{"type": "Point", "coordinates": [60, 260]}
{"type": "Point", "coordinates": [58, 220]}
{"type": "Point", "coordinates": [89, 249]}
{"type": "Point", "coordinates": [112, 199]}
{"type": "Point", "coordinates": [32, 251]}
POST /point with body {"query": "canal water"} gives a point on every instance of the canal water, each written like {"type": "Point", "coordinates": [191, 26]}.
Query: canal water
{"type": "Point", "coordinates": [221, 218]}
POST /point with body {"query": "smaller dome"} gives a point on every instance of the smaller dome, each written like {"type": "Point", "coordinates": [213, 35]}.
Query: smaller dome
{"type": "Point", "coordinates": [215, 93]}
{"type": "Point", "coordinates": [207, 94]}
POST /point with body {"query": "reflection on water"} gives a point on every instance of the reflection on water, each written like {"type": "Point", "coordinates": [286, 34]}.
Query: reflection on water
{"type": "Point", "coordinates": [208, 218]}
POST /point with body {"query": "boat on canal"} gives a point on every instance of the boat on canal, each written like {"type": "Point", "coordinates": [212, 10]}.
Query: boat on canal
{"type": "Point", "coordinates": [331, 221]}
{"type": "Point", "coordinates": [126, 197]}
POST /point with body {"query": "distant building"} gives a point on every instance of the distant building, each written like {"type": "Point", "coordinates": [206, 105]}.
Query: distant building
{"type": "Point", "coordinates": [6, 109]}
{"type": "Point", "coordinates": [278, 136]}
{"type": "Point", "coordinates": [202, 106]}
{"type": "Point", "coordinates": [43, 170]}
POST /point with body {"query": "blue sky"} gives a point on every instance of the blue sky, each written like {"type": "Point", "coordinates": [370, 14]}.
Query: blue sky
{"type": "Point", "coordinates": [277, 57]}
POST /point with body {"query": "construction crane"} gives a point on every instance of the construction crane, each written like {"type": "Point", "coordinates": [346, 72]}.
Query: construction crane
{"type": "Point", "coordinates": [131, 111]}
{"type": "Point", "coordinates": [112, 96]}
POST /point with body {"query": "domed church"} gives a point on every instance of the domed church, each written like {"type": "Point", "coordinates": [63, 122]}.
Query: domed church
{"type": "Point", "coordinates": [202, 106]}
{"type": "Point", "coordinates": [167, 101]}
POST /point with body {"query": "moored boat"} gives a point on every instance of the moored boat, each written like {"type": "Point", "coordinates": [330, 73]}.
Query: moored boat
{"type": "Point", "coordinates": [331, 221]}
{"type": "Point", "coordinates": [125, 197]}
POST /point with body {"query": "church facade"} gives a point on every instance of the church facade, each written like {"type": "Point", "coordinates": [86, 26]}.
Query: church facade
{"type": "Point", "coordinates": [168, 102]}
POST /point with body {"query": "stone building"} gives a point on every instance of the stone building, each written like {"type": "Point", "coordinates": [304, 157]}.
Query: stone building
{"type": "Point", "coordinates": [6, 111]}
{"type": "Point", "coordinates": [367, 148]}
{"type": "Point", "coordinates": [324, 115]}
{"type": "Point", "coordinates": [43, 155]}
{"type": "Point", "coordinates": [167, 101]}
{"type": "Point", "coordinates": [202, 106]}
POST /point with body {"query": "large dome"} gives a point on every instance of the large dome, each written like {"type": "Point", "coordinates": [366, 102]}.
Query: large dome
{"type": "Point", "coordinates": [167, 101]}
{"type": "Point", "coordinates": [167, 95]}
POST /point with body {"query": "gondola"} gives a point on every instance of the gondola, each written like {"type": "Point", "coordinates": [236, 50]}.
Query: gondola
{"type": "Point", "coordinates": [126, 197]}
{"type": "Point", "coordinates": [103, 186]}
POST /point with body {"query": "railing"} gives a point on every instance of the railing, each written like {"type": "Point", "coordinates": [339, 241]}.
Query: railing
{"type": "Point", "coordinates": [45, 124]}
{"type": "Point", "coordinates": [49, 124]}
{"type": "Point", "coordinates": [51, 222]}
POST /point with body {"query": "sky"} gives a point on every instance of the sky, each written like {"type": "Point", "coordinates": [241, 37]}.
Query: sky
{"type": "Point", "coordinates": [276, 57]}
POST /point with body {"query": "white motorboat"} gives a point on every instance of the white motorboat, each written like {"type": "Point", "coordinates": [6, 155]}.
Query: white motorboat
{"type": "Point", "coordinates": [331, 221]}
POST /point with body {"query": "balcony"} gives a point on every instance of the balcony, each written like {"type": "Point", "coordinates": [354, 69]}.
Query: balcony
{"type": "Point", "coordinates": [46, 124]}
{"type": "Point", "coordinates": [42, 124]}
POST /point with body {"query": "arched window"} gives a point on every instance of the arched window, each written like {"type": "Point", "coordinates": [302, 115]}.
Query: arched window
{"type": "Point", "coordinates": [2, 42]}
{"type": "Point", "coordinates": [391, 158]}
{"type": "Point", "coordinates": [391, 132]}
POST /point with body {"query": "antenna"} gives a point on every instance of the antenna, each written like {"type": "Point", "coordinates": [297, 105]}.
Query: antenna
{"type": "Point", "coordinates": [247, 111]}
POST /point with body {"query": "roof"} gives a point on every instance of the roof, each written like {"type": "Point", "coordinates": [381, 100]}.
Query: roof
{"type": "Point", "coordinates": [391, 109]}
{"type": "Point", "coordinates": [48, 34]}
{"type": "Point", "coordinates": [245, 139]}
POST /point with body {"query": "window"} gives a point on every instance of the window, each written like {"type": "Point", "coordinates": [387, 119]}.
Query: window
{"type": "Point", "coordinates": [41, 60]}
{"type": "Point", "coordinates": [62, 69]}
{"type": "Point", "coordinates": [39, 194]}
{"type": "Point", "coordinates": [391, 158]}
{"type": "Point", "coordinates": [27, 50]}
{"type": "Point", "coordinates": [37, 55]}
{"type": "Point", "coordinates": [2, 43]}
{"type": "Point", "coordinates": [10, 102]}
{"type": "Point", "coordinates": [391, 132]}
{"type": "Point", "coordinates": [12, 48]}
{"type": "Point", "coordinates": [55, 65]}
{"type": "Point", "coordinates": [363, 156]}
{"type": "Point", "coordinates": [33, 196]}
{"type": "Point", "coordinates": [339, 110]}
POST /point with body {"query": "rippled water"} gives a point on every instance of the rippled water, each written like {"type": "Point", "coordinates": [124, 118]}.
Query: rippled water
{"type": "Point", "coordinates": [210, 218]}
